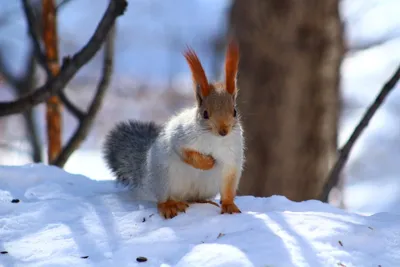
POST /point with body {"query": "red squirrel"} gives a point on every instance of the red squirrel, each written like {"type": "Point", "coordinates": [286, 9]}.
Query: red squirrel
{"type": "Point", "coordinates": [192, 157]}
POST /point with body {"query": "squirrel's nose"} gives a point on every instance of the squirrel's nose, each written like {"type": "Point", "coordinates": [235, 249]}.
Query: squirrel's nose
{"type": "Point", "coordinates": [223, 132]}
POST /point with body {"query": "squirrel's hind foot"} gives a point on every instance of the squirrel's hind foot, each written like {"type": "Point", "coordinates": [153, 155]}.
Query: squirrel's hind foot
{"type": "Point", "coordinates": [229, 208]}
{"type": "Point", "coordinates": [171, 208]}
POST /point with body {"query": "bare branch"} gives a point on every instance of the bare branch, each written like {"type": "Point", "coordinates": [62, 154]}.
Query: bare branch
{"type": "Point", "coordinates": [88, 118]}
{"type": "Point", "coordinates": [79, 114]}
{"type": "Point", "coordinates": [344, 152]}
{"type": "Point", "coordinates": [26, 85]}
{"type": "Point", "coordinates": [33, 136]}
{"type": "Point", "coordinates": [63, 3]}
{"type": "Point", "coordinates": [33, 32]}
{"type": "Point", "coordinates": [70, 66]}
{"type": "Point", "coordinates": [28, 80]}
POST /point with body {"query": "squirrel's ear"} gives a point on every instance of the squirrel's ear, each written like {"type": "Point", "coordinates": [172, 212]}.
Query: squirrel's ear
{"type": "Point", "coordinates": [198, 74]}
{"type": "Point", "coordinates": [199, 97]}
{"type": "Point", "coordinates": [231, 66]}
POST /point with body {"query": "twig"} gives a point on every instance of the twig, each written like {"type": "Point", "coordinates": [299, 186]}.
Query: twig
{"type": "Point", "coordinates": [79, 114]}
{"type": "Point", "coordinates": [86, 122]}
{"type": "Point", "coordinates": [33, 136]}
{"type": "Point", "coordinates": [70, 66]}
{"type": "Point", "coordinates": [32, 28]}
{"type": "Point", "coordinates": [63, 3]}
{"type": "Point", "coordinates": [344, 152]}
{"type": "Point", "coordinates": [27, 84]}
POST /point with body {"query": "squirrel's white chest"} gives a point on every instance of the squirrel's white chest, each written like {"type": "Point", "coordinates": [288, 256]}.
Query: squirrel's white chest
{"type": "Point", "coordinates": [223, 149]}
{"type": "Point", "coordinates": [190, 183]}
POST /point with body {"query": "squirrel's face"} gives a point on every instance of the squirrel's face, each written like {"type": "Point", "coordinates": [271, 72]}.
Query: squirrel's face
{"type": "Point", "coordinates": [216, 102]}
{"type": "Point", "coordinates": [217, 112]}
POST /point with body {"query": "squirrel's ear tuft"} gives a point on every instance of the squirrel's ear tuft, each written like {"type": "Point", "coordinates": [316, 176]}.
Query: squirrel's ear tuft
{"type": "Point", "coordinates": [231, 66]}
{"type": "Point", "coordinates": [198, 74]}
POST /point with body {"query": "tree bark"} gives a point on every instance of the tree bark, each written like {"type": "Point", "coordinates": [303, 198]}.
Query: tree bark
{"type": "Point", "coordinates": [53, 104]}
{"type": "Point", "coordinates": [288, 81]}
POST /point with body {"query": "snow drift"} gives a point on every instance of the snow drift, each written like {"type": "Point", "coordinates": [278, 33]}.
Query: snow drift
{"type": "Point", "coordinates": [49, 217]}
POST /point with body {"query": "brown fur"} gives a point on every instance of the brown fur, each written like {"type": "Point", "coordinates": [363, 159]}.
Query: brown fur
{"type": "Point", "coordinates": [198, 74]}
{"type": "Point", "coordinates": [171, 208]}
{"type": "Point", "coordinates": [217, 99]}
{"type": "Point", "coordinates": [220, 107]}
{"type": "Point", "coordinates": [198, 160]}
{"type": "Point", "coordinates": [228, 194]}
{"type": "Point", "coordinates": [231, 67]}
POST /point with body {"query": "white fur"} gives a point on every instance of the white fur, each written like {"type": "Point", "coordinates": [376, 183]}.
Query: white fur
{"type": "Point", "coordinates": [183, 131]}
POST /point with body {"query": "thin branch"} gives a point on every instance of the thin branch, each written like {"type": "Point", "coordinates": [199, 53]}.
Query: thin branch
{"type": "Point", "coordinates": [27, 82]}
{"type": "Point", "coordinates": [344, 152]}
{"type": "Point", "coordinates": [77, 112]}
{"type": "Point", "coordinates": [26, 85]}
{"type": "Point", "coordinates": [33, 32]}
{"type": "Point", "coordinates": [70, 66]}
{"type": "Point", "coordinates": [88, 119]}
{"type": "Point", "coordinates": [63, 3]}
{"type": "Point", "coordinates": [33, 136]}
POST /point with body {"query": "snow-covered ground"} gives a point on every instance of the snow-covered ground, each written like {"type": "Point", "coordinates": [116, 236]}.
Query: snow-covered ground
{"type": "Point", "coordinates": [150, 37]}
{"type": "Point", "coordinates": [70, 220]}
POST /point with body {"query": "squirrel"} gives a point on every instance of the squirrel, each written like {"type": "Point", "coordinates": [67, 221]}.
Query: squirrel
{"type": "Point", "coordinates": [195, 155]}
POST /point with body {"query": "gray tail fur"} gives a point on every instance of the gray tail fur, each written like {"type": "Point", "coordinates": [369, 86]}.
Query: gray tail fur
{"type": "Point", "coordinates": [125, 150]}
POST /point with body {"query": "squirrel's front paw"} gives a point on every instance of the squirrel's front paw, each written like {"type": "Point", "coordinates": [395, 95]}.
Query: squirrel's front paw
{"type": "Point", "coordinates": [207, 162]}
{"type": "Point", "coordinates": [171, 208]}
{"type": "Point", "coordinates": [198, 160]}
{"type": "Point", "coordinates": [229, 208]}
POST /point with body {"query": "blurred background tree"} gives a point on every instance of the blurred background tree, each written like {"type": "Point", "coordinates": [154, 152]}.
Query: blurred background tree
{"type": "Point", "coordinates": [53, 104]}
{"type": "Point", "coordinates": [291, 52]}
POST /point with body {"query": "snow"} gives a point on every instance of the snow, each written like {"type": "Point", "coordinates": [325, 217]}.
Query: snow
{"type": "Point", "coordinates": [64, 219]}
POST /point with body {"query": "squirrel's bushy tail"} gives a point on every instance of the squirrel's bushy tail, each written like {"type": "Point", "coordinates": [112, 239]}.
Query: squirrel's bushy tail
{"type": "Point", "coordinates": [125, 150]}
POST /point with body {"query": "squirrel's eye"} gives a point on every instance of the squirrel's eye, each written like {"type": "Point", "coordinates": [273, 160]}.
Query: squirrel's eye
{"type": "Point", "coordinates": [234, 112]}
{"type": "Point", "coordinates": [205, 115]}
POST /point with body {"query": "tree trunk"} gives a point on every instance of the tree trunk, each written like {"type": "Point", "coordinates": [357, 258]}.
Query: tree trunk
{"type": "Point", "coordinates": [53, 105]}
{"type": "Point", "coordinates": [288, 81]}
